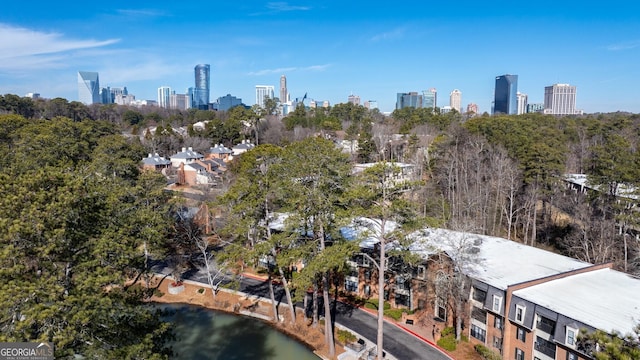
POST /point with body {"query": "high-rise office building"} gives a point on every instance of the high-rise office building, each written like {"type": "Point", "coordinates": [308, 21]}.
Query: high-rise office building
{"type": "Point", "coordinates": [455, 100]}
{"type": "Point", "coordinates": [262, 92]}
{"type": "Point", "coordinates": [410, 99]}
{"type": "Point", "coordinates": [354, 99]}
{"type": "Point", "coordinates": [164, 97]}
{"type": "Point", "coordinates": [430, 98]}
{"type": "Point", "coordinates": [88, 87]}
{"type": "Point", "coordinates": [560, 99]}
{"type": "Point", "coordinates": [200, 93]}
{"type": "Point", "coordinates": [371, 104]}
{"type": "Point", "coordinates": [505, 98]}
{"type": "Point", "coordinates": [472, 108]}
{"type": "Point", "coordinates": [535, 108]}
{"type": "Point", "coordinates": [522, 100]}
{"type": "Point", "coordinates": [284, 95]}
{"type": "Point", "coordinates": [179, 101]}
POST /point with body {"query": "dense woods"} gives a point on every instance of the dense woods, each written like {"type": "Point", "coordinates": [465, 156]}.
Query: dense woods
{"type": "Point", "coordinates": [78, 217]}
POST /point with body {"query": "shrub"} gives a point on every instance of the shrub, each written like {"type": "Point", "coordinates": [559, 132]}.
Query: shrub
{"type": "Point", "coordinates": [448, 342]}
{"type": "Point", "coordinates": [373, 304]}
{"type": "Point", "coordinates": [345, 336]}
{"type": "Point", "coordinates": [447, 331]}
{"type": "Point", "coordinates": [486, 353]}
{"type": "Point", "coordinates": [201, 290]}
{"type": "Point", "coordinates": [396, 314]}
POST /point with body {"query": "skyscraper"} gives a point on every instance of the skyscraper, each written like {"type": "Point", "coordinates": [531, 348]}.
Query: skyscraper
{"type": "Point", "coordinates": [522, 100]}
{"type": "Point", "coordinates": [284, 95]}
{"type": "Point", "coordinates": [472, 108]}
{"type": "Point", "coordinates": [88, 87]}
{"type": "Point", "coordinates": [455, 100]}
{"type": "Point", "coordinates": [430, 98]}
{"type": "Point", "coordinates": [164, 96]}
{"type": "Point", "coordinates": [354, 99]}
{"type": "Point", "coordinates": [262, 92]}
{"type": "Point", "coordinates": [201, 90]}
{"type": "Point", "coordinates": [560, 99]}
{"type": "Point", "coordinates": [505, 98]}
{"type": "Point", "coordinates": [410, 99]}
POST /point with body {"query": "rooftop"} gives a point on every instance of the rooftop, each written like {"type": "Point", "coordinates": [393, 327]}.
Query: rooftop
{"type": "Point", "coordinates": [495, 261]}
{"type": "Point", "coordinates": [605, 299]}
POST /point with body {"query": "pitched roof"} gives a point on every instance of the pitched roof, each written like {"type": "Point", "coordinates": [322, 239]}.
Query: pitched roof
{"type": "Point", "coordinates": [155, 160]}
{"type": "Point", "coordinates": [187, 154]}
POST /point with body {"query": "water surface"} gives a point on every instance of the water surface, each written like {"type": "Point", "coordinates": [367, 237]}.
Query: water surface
{"type": "Point", "coordinates": [208, 334]}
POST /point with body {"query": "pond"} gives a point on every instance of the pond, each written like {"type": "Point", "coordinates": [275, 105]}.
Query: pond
{"type": "Point", "coordinates": [208, 334]}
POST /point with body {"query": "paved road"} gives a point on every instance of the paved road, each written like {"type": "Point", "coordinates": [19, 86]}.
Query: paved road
{"type": "Point", "coordinates": [397, 342]}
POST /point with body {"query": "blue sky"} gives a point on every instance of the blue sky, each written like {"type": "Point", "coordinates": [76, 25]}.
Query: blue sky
{"type": "Point", "coordinates": [327, 49]}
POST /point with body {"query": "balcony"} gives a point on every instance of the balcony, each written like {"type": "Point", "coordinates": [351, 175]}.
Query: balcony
{"type": "Point", "coordinates": [545, 325]}
{"type": "Point", "coordinates": [546, 347]}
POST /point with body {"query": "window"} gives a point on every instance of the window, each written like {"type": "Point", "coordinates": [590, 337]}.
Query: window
{"type": "Point", "coordinates": [520, 313]}
{"type": "Point", "coordinates": [497, 342]}
{"type": "Point", "coordinates": [402, 300]}
{"type": "Point", "coordinates": [367, 274]}
{"type": "Point", "coordinates": [421, 272]}
{"type": "Point", "coordinates": [521, 334]}
{"type": "Point", "coordinates": [441, 308]}
{"type": "Point", "coordinates": [497, 322]}
{"type": "Point", "coordinates": [479, 295]}
{"type": "Point", "coordinates": [367, 290]}
{"type": "Point", "coordinates": [572, 356]}
{"type": "Point", "coordinates": [571, 336]}
{"type": "Point", "coordinates": [478, 333]}
{"type": "Point", "coordinates": [497, 303]}
{"type": "Point", "coordinates": [519, 354]}
{"type": "Point", "coordinates": [351, 286]}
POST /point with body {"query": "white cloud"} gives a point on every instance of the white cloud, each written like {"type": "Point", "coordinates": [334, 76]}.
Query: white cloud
{"type": "Point", "coordinates": [389, 35]}
{"type": "Point", "coordinates": [140, 12]}
{"type": "Point", "coordinates": [281, 6]}
{"type": "Point", "coordinates": [289, 69]}
{"type": "Point", "coordinates": [624, 46]}
{"type": "Point", "coordinates": [23, 48]}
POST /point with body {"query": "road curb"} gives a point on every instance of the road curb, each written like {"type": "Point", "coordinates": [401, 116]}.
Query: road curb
{"type": "Point", "coordinates": [435, 346]}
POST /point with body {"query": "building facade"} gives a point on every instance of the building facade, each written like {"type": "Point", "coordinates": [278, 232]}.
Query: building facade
{"type": "Point", "coordinates": [455, 100]}
{"type": "Point", "coordinates": [522, 100]}
{"type": "Point", "coordinates": [263, 92]}
{"type": "Point", "coordinates": [472, 108]}
{"type": "Point", "coordinates": [164, 96]}
{"type": "Point", "coordinates": [88, 87]}
{"type": "Point", "coordinates": [226, 102]}
{"type": "Point", "coordinates": [179, 101]}
{"type": "Point", "coordinates": [284, 94]}
{"type": "Point", "coordinates": [200, 93]}
{"type": "Point", "coordinates": [505, 95]}
{"type": "Point", "coordinates": [410, 99]}
{"type": "Point", "coordinates": [430, 98]}
{"type": "Point", "coordinates": [560, 99]}
{"type": "Point", "coordinates": [354, 99]}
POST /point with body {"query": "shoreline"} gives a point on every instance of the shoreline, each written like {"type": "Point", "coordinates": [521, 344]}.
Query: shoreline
{"type": "Point", "coordinates": [240, 304]}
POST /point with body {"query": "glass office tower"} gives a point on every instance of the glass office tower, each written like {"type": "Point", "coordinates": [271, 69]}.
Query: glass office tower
{"type": "Point", "coordinates": [505, 99]}
{"type": "Point", "coordinates": [88, 88]}
{"type": "Point", "coordinates": [201, 90]}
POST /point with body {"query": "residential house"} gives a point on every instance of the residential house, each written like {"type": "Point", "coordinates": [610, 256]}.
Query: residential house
{"type": "Point", "coordinates": [186, 156]}
{"type": "Point", "coordinates": [155, 162]}
{"type": "Point", "coordinates": [220, 152]}
{"type": "Point", "coordinates": [199, 172]}
{"type": "Point", "coordinates": [243, 147]}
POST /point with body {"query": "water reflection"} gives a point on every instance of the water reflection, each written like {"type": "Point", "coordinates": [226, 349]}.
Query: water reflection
{"type": "Point", "coordinates": [207, 334]}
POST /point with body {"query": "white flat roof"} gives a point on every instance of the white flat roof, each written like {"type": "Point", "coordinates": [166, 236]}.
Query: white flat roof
{"type": "Point", "coordinates": [605, 299]}
{"type": "Point", "coordinates": [496, 261]}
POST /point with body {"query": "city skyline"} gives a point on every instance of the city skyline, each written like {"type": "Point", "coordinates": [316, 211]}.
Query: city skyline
{"type": "Point", "coordinates": [389, 50]}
